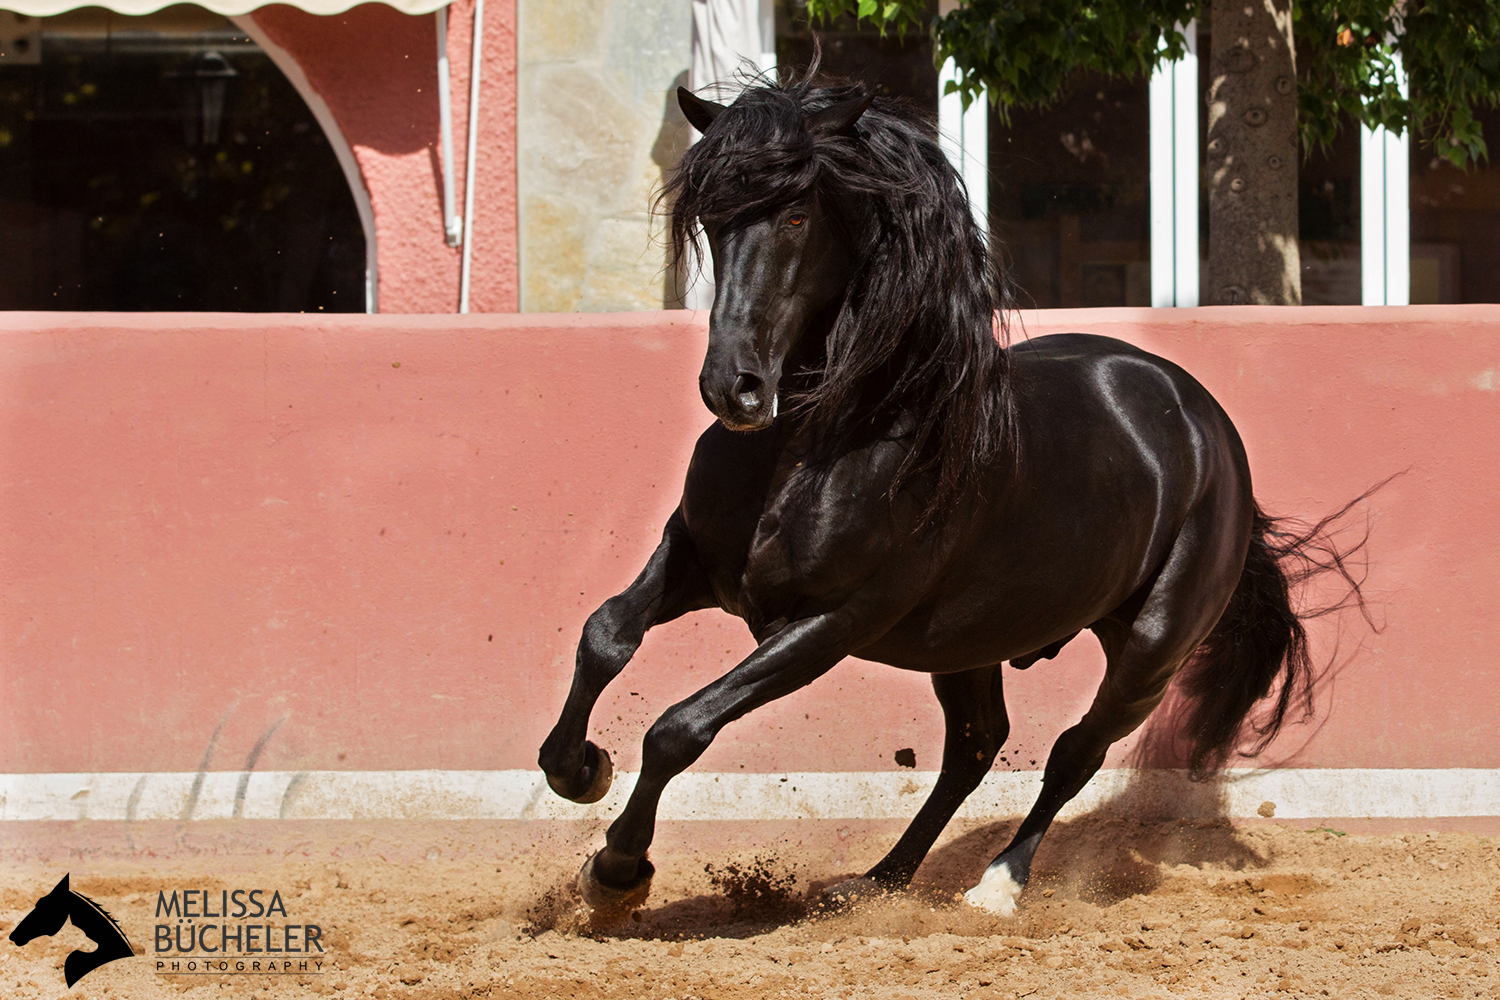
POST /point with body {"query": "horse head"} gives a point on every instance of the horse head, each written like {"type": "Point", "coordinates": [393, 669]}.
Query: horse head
{"type": "Point", "coordinates": [781, 251]}
{"type": "Point", "coordinates": [48, 916]}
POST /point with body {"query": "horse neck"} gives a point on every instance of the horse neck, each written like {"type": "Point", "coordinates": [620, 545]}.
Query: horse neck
{"type": "Point", "coordinates": [87, 915]}
{"type": "Point", "coordinates": [853, 427]}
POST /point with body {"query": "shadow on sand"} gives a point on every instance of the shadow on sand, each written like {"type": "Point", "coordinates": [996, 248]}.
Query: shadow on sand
{"type": "Point", "coordinates": [1122, 848]}
{"type": "Point", "coordinates": [1126, 847]}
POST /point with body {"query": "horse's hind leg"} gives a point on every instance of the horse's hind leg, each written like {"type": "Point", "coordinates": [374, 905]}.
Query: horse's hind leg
{"type": "Point", "coordinates": [1142, 657]}
{"type": "Point", "coordinates": [671, 585]}
{"type": "Point", "coordinates": [1075, 758]}
{"type": "Point", "coordinates": [976, 726]}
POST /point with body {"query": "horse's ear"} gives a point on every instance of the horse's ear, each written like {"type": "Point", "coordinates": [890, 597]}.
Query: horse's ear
{"type": "Point", "coordinates": [699, 113]}
{"type": "Point", "coordinates": [839, 118]}
{"type": "Point", "coordinates": [63, 885]}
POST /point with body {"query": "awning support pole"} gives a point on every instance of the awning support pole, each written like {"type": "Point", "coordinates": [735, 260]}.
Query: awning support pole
{"type": "Point", "coordinates": [473, 143]}
{"type": "Point", "coordinates": [453, 224]}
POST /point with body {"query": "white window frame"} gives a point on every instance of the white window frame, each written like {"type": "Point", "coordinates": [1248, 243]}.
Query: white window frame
{"type": "Point", "coordinates": [1173, 95]}
{"type": "Point", "coordinates": [1173, 98]}
{"type": "Point", "coordinates": [1385, 212]}
{"type": "Point", "coordinates": [964, 136]}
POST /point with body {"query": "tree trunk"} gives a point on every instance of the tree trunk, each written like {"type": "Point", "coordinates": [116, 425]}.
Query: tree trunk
{"type": "Point", "coordinates": [1252, 156]}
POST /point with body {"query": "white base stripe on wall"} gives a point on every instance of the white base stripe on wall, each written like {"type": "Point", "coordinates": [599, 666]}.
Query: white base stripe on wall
{"type": "Point", "coordinates": [1298, 793]}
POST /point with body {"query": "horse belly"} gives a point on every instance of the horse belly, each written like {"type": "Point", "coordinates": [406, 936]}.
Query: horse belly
{"type": "Point", "coordinates": [1022, 583]}
{"type": "Point", "coordinates": [948, 639]}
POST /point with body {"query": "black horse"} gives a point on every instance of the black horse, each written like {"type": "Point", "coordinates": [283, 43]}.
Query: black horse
{"type": "Point", "coordinates": [57, 908]}
{"type": "Point", "coordinates": [886, 480]}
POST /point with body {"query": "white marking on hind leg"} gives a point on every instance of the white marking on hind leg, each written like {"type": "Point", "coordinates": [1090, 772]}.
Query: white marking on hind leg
{"type": "Point", "coordinates": [996, 891]}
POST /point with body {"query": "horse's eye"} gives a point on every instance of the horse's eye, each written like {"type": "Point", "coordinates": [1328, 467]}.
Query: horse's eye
{"type": "Point", "coordinates": [796, 219]}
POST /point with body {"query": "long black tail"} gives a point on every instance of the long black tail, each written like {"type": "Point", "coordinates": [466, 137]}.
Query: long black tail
{"type": "Point", "coordinates": [1260, 643]}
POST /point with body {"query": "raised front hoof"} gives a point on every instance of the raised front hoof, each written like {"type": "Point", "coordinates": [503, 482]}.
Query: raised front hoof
{"type": "Point", "coordinates": [609, 904]}
{"type": "Point", "coordinates": [852, 891]}
{"type": "Point", "coordinates": [996, 892]}
{"type": "Point", "coordinates": [592, 781]}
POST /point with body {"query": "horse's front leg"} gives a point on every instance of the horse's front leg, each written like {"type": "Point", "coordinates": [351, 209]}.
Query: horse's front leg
{"type": "Point", "coordinates": [671, 585]}
{"type": "Point", "coordinates": [618, 878]}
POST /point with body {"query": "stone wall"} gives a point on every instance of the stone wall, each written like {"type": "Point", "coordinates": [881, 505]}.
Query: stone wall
{"type": "Point", "coordinates": [598, 127]}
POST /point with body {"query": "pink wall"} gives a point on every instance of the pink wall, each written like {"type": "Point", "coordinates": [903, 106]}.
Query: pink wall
{"type": "Point", "coordinates": [387, 531]}
{"type": "Point", "coordinates": [377, 70]}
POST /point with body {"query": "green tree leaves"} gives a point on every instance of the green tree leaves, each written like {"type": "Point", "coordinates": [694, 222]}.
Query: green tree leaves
{"type": "Point", "coordinates": [1024, 52]}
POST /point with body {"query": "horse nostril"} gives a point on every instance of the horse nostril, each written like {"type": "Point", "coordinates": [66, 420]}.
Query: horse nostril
{"type": "Point", "coordinates": [747, 391]}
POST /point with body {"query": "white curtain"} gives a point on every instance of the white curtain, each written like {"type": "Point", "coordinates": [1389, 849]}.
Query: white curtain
{"type": "Point", "coordinates": [732, 39]}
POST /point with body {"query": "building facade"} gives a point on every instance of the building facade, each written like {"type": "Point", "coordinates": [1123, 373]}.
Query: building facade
{"type": "Point", "coordinates": [305, 158]}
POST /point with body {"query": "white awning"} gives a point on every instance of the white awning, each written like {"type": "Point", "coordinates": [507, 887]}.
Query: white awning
{"type": "Point", "coordinates": [227, 8]}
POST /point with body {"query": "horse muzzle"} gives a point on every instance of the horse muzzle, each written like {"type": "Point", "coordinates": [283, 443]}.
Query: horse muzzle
{"type": "Point", "coordinates": [746, 403]}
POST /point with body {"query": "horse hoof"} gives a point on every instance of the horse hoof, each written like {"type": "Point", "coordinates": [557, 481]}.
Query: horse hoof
{"type": "Point", "coordinates": [996, 892]}
{"type": "Point", "coordinates": [607, 903]}
{"type": "Point", "coordinates": [852, 891]}
{"type": "Point", "coordinates": [595, 759]}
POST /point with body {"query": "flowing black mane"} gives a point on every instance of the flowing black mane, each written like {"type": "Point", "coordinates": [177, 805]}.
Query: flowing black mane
{"type": "Point", "coordinates": [916, 343]}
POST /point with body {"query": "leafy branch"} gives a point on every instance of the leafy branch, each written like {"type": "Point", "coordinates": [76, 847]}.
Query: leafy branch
{"type": "Point", "coordinates": [1023, 53]}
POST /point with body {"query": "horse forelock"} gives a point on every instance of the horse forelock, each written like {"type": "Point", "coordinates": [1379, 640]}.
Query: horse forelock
{"type": "Point", "coordinates": [920, 312]}
{"type": "Point", "coordinates": [757, 155]}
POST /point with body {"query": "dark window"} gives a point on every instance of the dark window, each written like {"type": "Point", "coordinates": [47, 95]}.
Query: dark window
{"type": "Point", "coordinates": [1455, 224]}
{"type": "Point", "coordinates": [1069, 196]}
{"type": "Point", "coordinates": [1328, 239]}
{"type": "Point", "coordinates": [164, 163]}
{"type": "Point", "coordinates": [1068, 185]}
{"type": "Point", "coordinates": [895, 65]}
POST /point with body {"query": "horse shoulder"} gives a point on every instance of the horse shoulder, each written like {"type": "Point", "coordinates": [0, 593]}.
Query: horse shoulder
{"type": "Point", "coordinates": [781, 540]}
{"type": "Point", "coordinates": [826, 533]}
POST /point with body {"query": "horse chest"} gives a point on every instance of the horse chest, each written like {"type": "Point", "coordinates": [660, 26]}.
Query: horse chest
{"type": "Point", "coordinates": [803, 549]}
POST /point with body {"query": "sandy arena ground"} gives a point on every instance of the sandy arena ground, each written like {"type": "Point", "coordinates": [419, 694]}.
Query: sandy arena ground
{"type": "Point", "coordinates": [430, 911]}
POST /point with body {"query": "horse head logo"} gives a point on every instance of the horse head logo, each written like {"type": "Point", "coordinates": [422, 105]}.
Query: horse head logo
{"type": "Point", "coordinates": [57, 908]}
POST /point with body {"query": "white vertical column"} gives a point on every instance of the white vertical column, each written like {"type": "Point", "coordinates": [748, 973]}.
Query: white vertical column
{"type": "Point", "coordinates": [964, 134]}
{"type": "Point", "coordinates": [1371, 216]}
{"type": "Point", "coordinates": [1398, 217]}
{"type": "Point", "coordinates": [729, 38]}
{"type": "Point", "coordinates": [1160, 96]}
{"type": "Point", "coordinates": [1173, 102]}
{"type": "Point", "coordinates": [1186, 99]}
{"type": "Point", "coordinates": [1385, 213]}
